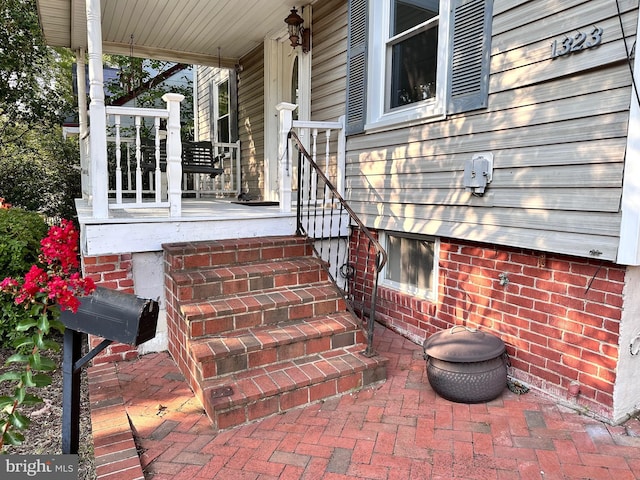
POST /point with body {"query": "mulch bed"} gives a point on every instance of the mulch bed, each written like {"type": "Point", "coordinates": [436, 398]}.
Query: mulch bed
{"type": "Point", "coordinates": [44, 436]}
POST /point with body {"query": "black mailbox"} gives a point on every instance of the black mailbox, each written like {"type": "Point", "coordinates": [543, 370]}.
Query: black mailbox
{"type": "Point", "coordinates": [113, 315]}
{"type": "Point", "coordinates": [116, 317]}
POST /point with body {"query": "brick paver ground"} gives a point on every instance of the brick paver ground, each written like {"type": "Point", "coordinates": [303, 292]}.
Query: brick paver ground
{"type": "Point", "coordinates": [398, 430]}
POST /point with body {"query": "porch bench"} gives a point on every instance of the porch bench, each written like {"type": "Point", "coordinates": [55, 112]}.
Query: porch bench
{"type": "Point", "coordinates": [197, 157]}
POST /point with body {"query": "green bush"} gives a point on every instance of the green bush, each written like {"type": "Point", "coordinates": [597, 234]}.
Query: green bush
{"type": "Point", "coordinates": [20, 235]}
{"type": "Point", "coordinates": [40, 172]}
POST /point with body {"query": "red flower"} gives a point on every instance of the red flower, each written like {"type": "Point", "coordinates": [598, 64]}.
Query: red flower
{"type": "Point", "coordinates": [60, 284]}
{"type": "Point", "coordinates": [60, 246]}
{"type": "Point", "coordinates": [8, 284]}
{"type": "Point", "coordinates": [34, 280]}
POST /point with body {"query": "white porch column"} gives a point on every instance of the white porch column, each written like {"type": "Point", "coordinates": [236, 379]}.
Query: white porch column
{"type": "Point", "coordinates": [285, 162]}
{"type": "Point", "coordinates": [97, 113]}
{"type": "Point", "coordinates": [174, 153]}
{"type": "Point", "coordinates": [81, 80]}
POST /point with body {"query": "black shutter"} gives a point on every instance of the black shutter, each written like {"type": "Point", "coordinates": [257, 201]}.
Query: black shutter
{"type": "Point", "coordinates": [470, 55]}
{"type": "Point", "coordinates": [357, 67]}
{"type": "Point", "coordinates": [233, 105]}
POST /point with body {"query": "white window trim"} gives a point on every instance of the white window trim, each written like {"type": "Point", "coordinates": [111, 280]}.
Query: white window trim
{"type": "Point", "coordinates": [221, 76]}
{"type": "Point", "coordinates": [408, 289]}
{"type": "Point", "coordinates": [429, 110]}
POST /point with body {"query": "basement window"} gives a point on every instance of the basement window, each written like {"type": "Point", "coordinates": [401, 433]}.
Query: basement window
{"type": "Point", "coordinates": [412, 264]}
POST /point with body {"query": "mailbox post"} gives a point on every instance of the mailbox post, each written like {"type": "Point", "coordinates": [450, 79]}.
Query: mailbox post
{"type": "Point", "coordinates": [72, 349]}
{"type": "Point", "coordinates": [113, 315]}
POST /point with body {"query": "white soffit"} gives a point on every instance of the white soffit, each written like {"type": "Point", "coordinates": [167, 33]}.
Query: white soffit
{"type": "Point", "coordinates": [189, 31]}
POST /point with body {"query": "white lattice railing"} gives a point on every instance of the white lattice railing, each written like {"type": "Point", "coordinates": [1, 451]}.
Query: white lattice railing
{"type": "Point", "coordinates": [225, 185]}
{"type": "Point", "coordinates": [132, 183]}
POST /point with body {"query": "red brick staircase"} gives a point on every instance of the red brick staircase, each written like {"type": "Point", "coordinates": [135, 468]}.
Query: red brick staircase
{"type": "Point", "coordinates": [257, 328]}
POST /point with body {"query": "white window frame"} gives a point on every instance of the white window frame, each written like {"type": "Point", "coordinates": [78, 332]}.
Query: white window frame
{"type": "Point", "coordinates": [412, 290]}
{"type": "Point", "coordinates": [220, 77]}
{"type": "Point", "coordinates": [379, 61]}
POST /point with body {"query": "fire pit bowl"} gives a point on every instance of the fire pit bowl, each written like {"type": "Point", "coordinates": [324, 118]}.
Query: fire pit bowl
{"type": "Point", "coordinates": [466, 365]}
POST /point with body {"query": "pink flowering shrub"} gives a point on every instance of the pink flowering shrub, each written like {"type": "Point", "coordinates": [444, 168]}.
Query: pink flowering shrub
{"type": "Point", "coordinates": [47, 287]}
{"type": "Point", "coordinates": [58, 282]}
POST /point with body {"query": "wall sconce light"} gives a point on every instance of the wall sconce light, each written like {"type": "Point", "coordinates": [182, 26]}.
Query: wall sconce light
{"type": "Point", "coordinates": [298, 35]}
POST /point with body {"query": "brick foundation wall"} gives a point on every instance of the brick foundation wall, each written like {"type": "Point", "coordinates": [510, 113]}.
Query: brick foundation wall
{"type": "Point", "coordinates": [111, 271]}
{"type": "Point", "coordinates": [559, 316]}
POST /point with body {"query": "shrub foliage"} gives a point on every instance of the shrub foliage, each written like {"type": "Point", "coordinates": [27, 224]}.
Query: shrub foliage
{"type": "Point", "coordinates": [20, 235]}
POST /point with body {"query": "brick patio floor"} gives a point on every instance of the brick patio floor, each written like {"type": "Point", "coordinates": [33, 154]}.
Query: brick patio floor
{"type": "Point", "coordinates": [398, 430]}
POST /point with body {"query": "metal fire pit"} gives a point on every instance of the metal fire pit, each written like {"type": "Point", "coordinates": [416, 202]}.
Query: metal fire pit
{"type": "Point", "coordinates": [466, 365]}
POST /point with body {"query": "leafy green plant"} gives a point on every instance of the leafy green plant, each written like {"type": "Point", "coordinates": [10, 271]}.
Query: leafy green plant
{"type": "Point", "coordinates": [43, 292]}
{"type": "Point", "coordinates": [40, 170]}
{"type": "Point", "coordinates": [20, 235]}
{"type": "Point", "coordinates": [34, 89]}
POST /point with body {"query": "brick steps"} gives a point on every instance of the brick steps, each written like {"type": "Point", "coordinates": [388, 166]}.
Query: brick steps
{"type": "Point", "coordinates": [256, 348]}
{"type": "Point", "coordinates": [196, 255]}
{"type": "Point", "coordinates": [253, 277]}
{"type": "Point", "coordinates": [270, 390]}
{"type": "Point", "coordinates": [235, 312]}
{"type": "Point", "coordinates": [257, 328]}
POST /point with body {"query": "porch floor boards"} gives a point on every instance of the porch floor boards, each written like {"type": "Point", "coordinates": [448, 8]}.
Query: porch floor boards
{"type": "Point", "coordinates": [192, 208]}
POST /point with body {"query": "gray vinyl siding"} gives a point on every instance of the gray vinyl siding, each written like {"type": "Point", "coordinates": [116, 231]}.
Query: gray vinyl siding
{"type": "Point", "coordinates": [556, 127]}
{"type": "Point", "coordinates": [329, 69]}
{"type": "Point", "coordinates": [328, 76]}
{"type": "Point", "coordinates": [205, 75]}
{"type": "Point", "coordinates": [251, 121]}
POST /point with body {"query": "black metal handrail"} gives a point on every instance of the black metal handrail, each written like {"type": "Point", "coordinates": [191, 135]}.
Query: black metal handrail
{"type": "Point", "coordinates": [321, 218]}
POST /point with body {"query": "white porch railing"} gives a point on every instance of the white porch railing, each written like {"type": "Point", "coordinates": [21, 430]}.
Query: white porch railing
{"type": "Point", "coordinates": [129, 127]}
{"type": "Point", "coordinates": [326, 142]}
{"type": "Point", "coordinates": [130, 181]}
{"type": "Point", "coordinates": [225, 185]}
{"type": "Point", "coordinates": [140, 171]}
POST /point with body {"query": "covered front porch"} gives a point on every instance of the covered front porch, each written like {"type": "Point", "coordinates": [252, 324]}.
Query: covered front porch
{"type": "Point", "coordinates": [226, 267]}
{"type": "Point", "coordinates": [145, 209]}
{"type": "Point", "coordinates": [132, 159]}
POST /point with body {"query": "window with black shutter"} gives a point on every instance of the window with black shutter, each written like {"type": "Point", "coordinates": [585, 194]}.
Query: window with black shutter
{"type": "Point", "coordinates": [414, 60]}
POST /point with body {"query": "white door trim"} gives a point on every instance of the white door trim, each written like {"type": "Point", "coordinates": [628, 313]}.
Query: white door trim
{"type": "Point", "coordinates": [278, 64]}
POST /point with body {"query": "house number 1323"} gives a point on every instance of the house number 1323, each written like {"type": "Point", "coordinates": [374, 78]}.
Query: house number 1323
{"type": "Point", "coordinates": [580, 41]}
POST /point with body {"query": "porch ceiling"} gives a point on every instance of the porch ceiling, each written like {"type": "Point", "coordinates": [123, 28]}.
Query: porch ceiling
{"type": "Point", "coordinates": [187, 31]}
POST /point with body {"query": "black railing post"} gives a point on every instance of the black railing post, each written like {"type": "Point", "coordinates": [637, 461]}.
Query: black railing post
{"type": "Point", "coordinates": [372, 311]}
{"type": "Point", "coordinates": [72, 345]}
{"type": "Point", "coordinates": [299, 229]}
